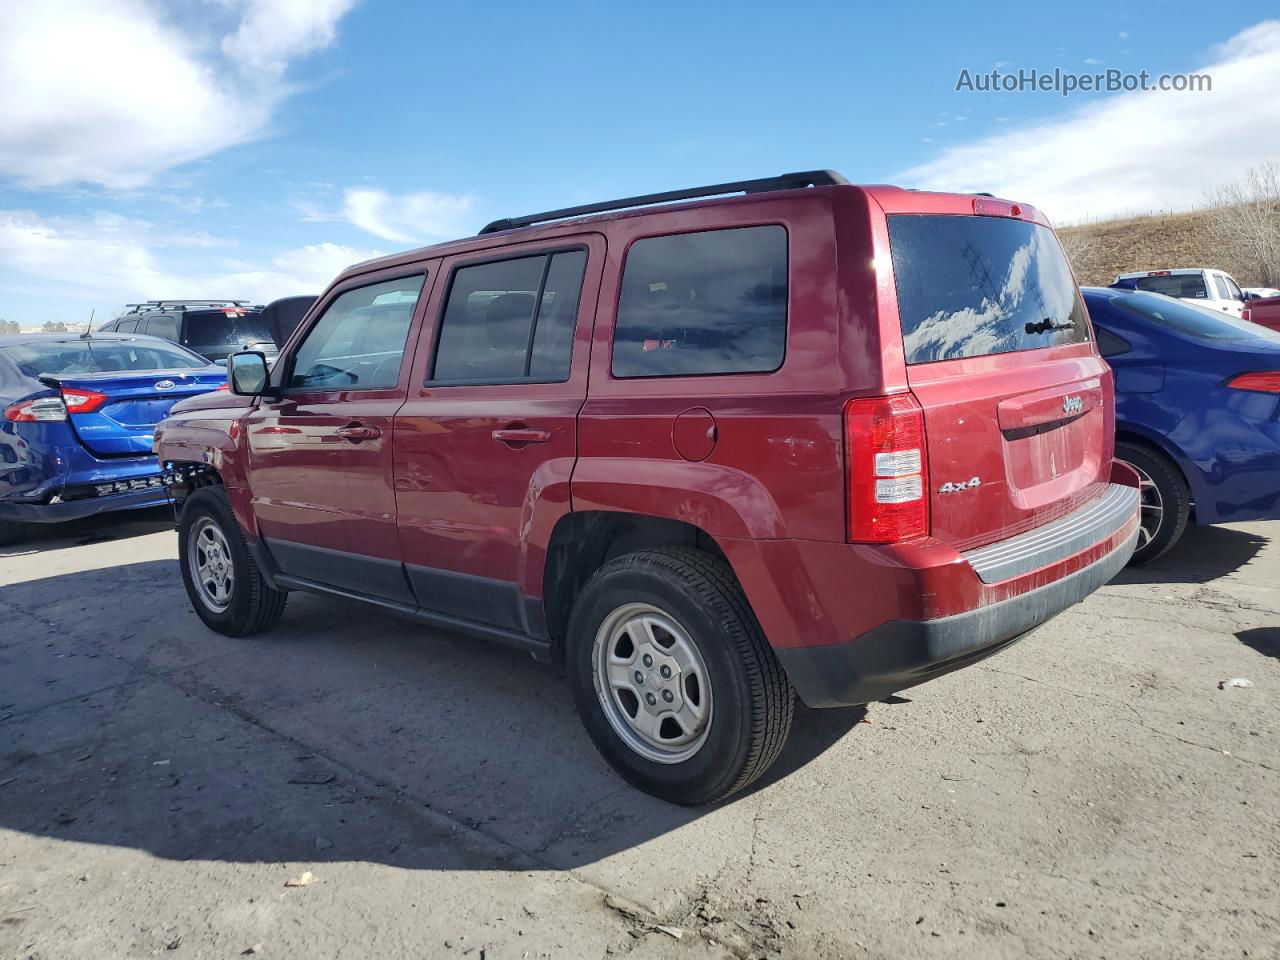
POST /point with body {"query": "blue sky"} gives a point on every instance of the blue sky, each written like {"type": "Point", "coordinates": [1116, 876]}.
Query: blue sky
{"type": "Point", "coordinates": [252, 148]}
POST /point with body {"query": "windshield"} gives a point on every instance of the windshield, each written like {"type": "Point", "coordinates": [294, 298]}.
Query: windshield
{"type": "Point", "coordinates": [60, 358]}
{"type": "Point", "coordinates": [1197, 322]}
{"type": "Point", "coordinates": [973, 286]}
{"type": "Point", "coordinates": [1189, 285]}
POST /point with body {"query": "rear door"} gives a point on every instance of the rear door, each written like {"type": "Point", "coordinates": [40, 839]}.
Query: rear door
{"type": "Point", "coordinates": [489, 431]}
{"type": "Point", "coordinates": [320, 454]}
{"type": "Point", "coordinates": [1018, 405]}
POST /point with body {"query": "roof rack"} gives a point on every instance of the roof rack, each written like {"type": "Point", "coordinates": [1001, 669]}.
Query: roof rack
{"type": "Point", "coordinates": [182, 304]}
{"type": "Point", "coordinates": [788, 181]}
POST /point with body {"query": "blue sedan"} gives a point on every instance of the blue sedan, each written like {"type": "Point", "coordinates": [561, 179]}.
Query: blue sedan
{"type": "Point", "coordinates": [77, 416]}
{"type": "Point", "coordinates": [1197, 411]}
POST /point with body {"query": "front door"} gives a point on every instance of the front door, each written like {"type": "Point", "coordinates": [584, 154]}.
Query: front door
{"type": "Point", "coordinates": [320, 453]}
{"type": "Point", "coordinates": [487, 440]}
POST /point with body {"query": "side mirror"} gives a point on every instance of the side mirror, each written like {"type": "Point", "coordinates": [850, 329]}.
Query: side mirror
{"type": "Point", "coordinates": [248, 373]}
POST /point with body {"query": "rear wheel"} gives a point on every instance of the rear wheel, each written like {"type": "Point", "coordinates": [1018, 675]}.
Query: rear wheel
{"type": "Point", "coordinates": [673, 677]}
{"type": "Point", "coordinates": [227, 590]}
{"type": "Point", "coordinates": [1166, 502]}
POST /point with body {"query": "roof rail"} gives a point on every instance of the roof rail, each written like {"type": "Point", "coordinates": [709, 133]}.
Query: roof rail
{"type": "Point", "coordinates": [182, 304]}
{"type": "Point", "coordinates": [788, 181]}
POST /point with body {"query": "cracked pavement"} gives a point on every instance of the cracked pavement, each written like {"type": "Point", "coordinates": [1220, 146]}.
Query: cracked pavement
{"type": "Point", "coordinates": [1089, 792]}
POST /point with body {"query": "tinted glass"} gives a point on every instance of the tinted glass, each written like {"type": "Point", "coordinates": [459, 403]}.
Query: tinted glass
{"type": "Point", "coordinates": [1190, 285]}
{"type": "Point", "coordinates": [358, 343]}
{"type": "Point", "coordinates": [253, 328]}
{"type": "Point", "coordinates": [211, 328]}
{"type": "Point", "coordinates": [1109, 345]}
{"type": "Point", "coordinates": [490, 321]}
{"type": "Point", "coordinates": [558, 317]}
{"type": "Point", "coordinates": [126, 326]}
{"type": "Point", "coordinates": [100, 356]}
{"type": "Point", "coordinates": [973, 286]}
{"type": "Point", "coordinates": [161, 326]}
{"type": "Point", "coordinates": [703, 303]}
{"type": "Point", "coordinates": [1197, 322]}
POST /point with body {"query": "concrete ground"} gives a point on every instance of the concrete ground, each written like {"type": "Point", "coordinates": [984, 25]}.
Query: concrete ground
{"type": "Point", "coordinates": [1091, 792]}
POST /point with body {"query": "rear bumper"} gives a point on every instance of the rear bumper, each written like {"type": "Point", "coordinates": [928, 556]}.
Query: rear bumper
{"type": "Point", "coordinates": [61, 511]}
{"type": "Point", "coordinates": [902, 653]}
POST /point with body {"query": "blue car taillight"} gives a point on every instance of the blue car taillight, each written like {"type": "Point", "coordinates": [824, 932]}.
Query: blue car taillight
{"type": "Point", "coordinates": [42, 410]}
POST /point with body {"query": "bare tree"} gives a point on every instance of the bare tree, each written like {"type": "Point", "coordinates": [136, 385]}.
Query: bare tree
{"type": "Point", "coordinates": [1245, 221]}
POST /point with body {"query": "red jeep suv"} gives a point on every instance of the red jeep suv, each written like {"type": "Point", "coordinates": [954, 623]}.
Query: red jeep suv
{"type": "Point", "coordinates": [794, 436]}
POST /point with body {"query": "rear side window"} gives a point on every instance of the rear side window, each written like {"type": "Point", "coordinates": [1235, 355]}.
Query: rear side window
{"type": "Point", "coordinates": [162, 326]}
{"type": "Point", "coordinates": [703, 303]}
{"type": "Point", "coordinates": [511, 320]}
{"type": "Point", "coordinates": [974, 286]}
{"type": "Point", "coordinates": [1109, 345]}
{"type": "Point", "coordinates": [358, 342]}
{"type": "Point", "coordinates": [1221, 286]}
{"type": "Point", "coordinates": [126, 326]}
{"type": "Point", "coordinates": [1189, 285]}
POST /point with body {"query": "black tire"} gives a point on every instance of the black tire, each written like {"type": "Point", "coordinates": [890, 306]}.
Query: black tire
{"type": "Point", "coordinates": [750, 699]}
{"type": "Point", "coordinates": [1166, 502]}
{"type": "Point", "coordinates": [11, 532]}
{"type": "Point", "coordinates": [252, 606]}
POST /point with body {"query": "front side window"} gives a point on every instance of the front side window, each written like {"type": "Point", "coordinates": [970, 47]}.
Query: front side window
{"type": "Point", "coordinates": [1233, 291]}
{"type": "Point", "coordinates": [511, 320]}
{"type": "Point", "coordinates": [703, 303]}
{"type": "Point", "coordinates": [1221, 286]}
{"type": "Point", "coordinates": [358, 343]}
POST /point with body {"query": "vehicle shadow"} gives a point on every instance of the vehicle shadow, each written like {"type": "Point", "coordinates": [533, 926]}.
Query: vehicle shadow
{"type": "Point", "coordinates": [1203, 554]}
{"type": "Point", "coordinates": [44, 537]}
{"type": "Point", "coordinates": [1266, 640]}
{"type": "Point", "coordinates": [344, 734]}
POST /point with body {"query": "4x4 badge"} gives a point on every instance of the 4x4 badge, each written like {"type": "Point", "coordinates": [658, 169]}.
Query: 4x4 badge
{"type": "Point", "coordinates": [963, 485]}
{"type": "Point", "coordinates": [1072, 405]}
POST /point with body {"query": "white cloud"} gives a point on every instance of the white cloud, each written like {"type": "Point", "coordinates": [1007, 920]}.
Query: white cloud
{"type": "Point", "coordinates": [112, 93]}
{"type": "Point", "coordinates": [406, 217]}
{"type": "Point", "coordinates": [1132, 152]}
{"type": "Point", "coordinates": [112, 259]}
{"type": "Point", "coordinates": [275, 31]}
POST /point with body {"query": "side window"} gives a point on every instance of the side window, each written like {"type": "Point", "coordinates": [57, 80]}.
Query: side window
{"type": "Point", "coordinates": [1220, 287]}
{"type": "Point", "coordinates": [1233, 290]}
{"type": "Point", "coordinates": [162, 326]}
{"type": "Point", "coordinates": [511, 320]}
{"type": "Point", "coordinates": [358, 343]}
{"type": "Point", "coordinates": [1109, 345]}
{"type": "Point", "coordinates": [703, 303]}
{"type": "Point", "coordinates": [127, 326]}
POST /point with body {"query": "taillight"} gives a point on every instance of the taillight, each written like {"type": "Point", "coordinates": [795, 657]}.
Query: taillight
{"type": "Point", "coordinates": [44, 410]}
{"type": "Point", "coordinates": [886, 469]}
{"type": "Point", "coordinates": [1268, 382]}
{"type": "Point", "coordinates": [225, 386]}
{"type": "Point", "coordinates": [83, 401]}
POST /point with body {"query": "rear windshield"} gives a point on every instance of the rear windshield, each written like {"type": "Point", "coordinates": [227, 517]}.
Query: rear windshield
{"type": "Point", "coordinates": [210, 328]}
{"type": "Point", "coordinates": [1200, 323]}
{"type": "Point", "coordinates": [100, 356]}
{"type": "Point", "coordinates": [1189, 285]}
{"type": "Point", "coordinates": [973, 286]}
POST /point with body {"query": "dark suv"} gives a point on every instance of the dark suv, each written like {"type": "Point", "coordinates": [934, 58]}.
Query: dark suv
{"type": "Point", "coordinates": [818, 439]}
{"type": "Point", "coordinates": [215, 329]}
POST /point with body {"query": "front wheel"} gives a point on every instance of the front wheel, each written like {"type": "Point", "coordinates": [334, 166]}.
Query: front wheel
{"type": "Point", "coordinates": [1166, 502]}
{"type": "Point", "coordinates": [673, 677]}
{"type": "Point", "coordinates": [227, 590]}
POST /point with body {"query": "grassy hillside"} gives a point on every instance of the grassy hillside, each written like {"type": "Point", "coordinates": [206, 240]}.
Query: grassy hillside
{"type": "Point", "coordinates": [1099, 251]}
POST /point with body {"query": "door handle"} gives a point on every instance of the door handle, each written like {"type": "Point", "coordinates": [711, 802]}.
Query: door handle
{"type": "Point", "coordinates": [356, 432]}
{"type": "Point", "coordinates": [515, 434]}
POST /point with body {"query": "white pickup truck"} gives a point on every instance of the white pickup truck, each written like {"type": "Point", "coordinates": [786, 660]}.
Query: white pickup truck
{"type": "Point", "coordinates": [1202, 286]}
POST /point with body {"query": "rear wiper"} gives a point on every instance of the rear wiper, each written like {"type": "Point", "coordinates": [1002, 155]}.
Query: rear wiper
{"type": "Point", "coordinates": [1047, 324]}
